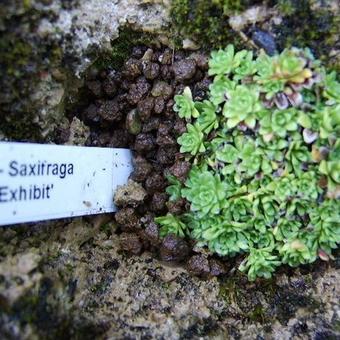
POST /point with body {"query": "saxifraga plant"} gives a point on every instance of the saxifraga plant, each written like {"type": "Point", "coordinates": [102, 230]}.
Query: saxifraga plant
{"type": "Point", "coordinates": [266, 152]}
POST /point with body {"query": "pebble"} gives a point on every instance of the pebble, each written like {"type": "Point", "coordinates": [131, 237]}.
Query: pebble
{"type": "Point", "coordinates": [127, 219]}
{"type": "Point", "coordinates": [217, 268]}
{"type": "Point", "coordinates": [109, 110]}
{"type": "Point", "coordinates": [138, 52]}
{"type": "Point", "coordinates": [198, 265]}
{"type": "Point", "coordinates": [166, 57]}
{"type": "Point", "coordinates": [151, 125]}
{"type": "Point", "coordinates": [180, 126]}
{"type": "Point", "coordinates": [159, 105]}
{"type": "Point", "coordinates": [138, 91]}
{"type": "Point", "coordinates": [174, 249]}
{"type": "Point", "coordinates": [151, 70]}
{"type": "Point", "coordinates": [120, 139]}
{"type": "Point", "coordinates": [176, 207]}
{"type": "Point", "coordinates": [154, 183]}
{"type": "Point", "coordinates": [151, 233]}
{"type": "Point", "coordinates": [133, 123]}
{"type": "Point", "coordinates": [95, 87]}
{"type": "Point", "coordinates": [141, 169]}
{"type": "Point", "coordinates": [184, 69]}
{"type": "Point", "coordinates": [180, 170]}
{"type": "Point", "coordinates": [158, 201]}
{"type": "Point", "coordinates": [264, 40]}
{"type": "Point", "coordinates": [109, 87]}
{"type": "Point", "coordinates": [132, 68]}
{"type": "Point", "coordinates": [144, 142]}
{"type": "Point", "coordinates": [166, 72]}
{"type": "Point", "coordinates": [164, 134]}
{"type": "Point", "coordinates": [130, 194]}
{"type": "Point", "coordinates": [145, 108]}
{"type": "Point", "coordinates": [189, 44]}
{"type": "Point", "coordinates": [162, 89]}
{"type": "Point", "coordinates": [130, 243]}
{"type": "Point", "coordinates": [166, 155]}
{"type": "Point", "coordinates": [202, 60]}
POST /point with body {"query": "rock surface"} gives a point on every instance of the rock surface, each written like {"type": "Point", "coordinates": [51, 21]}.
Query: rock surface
{"type": "Point", "coordinates": [71, 280]}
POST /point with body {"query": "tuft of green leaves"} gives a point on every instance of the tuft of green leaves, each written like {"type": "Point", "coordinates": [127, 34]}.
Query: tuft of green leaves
{"type": "Point", "coordinates": [192, 141]}
{"type": "Point", "coordinates": [224, 61]}
{"type": "Point", "coordinates": [265, 147]}
{"type": "Point", "coordinates": [184, 105]}
{"type": "Point", "coordinates": [174, 189]}
{"type": "Point", "coordinates": [205, 192]}
{"type": "Point", "coordinates": [170, 224]}
{"type": "Point", "coordinates": [242, 105]}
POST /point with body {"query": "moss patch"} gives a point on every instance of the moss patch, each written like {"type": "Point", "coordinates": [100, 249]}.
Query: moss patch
{"type": "Point", "coordinates": [267, 301]}
{"type": "Point", "coordinates": [122, 47]}
{"type": "Point", "coordinates": [302, 25]}
{"type": "Point", "coordinates": [207, 21]}
{"type": "Point", "coordinates": [204, 21]}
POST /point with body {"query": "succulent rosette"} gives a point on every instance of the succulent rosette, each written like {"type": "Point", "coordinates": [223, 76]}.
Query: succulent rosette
{"type": "Point", "coordinates": [242, 105]}
{"type": "Point", "coordinates": [279, 122]}
{"type": "Point", "coordinates": [185, 106]}
{"type": "Point", "coordinates": [192, 141]}
{"type": "Point", "coordinates": [205, 192]}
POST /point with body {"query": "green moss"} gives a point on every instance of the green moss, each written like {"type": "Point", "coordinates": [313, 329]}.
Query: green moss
{"type": "Point", "coordinates": [302, 25]}
{"type": "Point", "coordinates": [286, 7]}
{"type": "Point", "coordinates": [271, 301]}
{"type": "Point", "coordinates": [204, 21]}
{"type": "Point", "coordinates": [26, 306]}
{"type": "Point", "coordinates": [100, 287]}
{"type": "Point", "coordinates": [207, 21]}
{"type": "Point", "coordinates": [122, 47]}
{"type": "Point", "coordinates": [336, 326]}
{"type": "Point", "coordinates": [257, 314]}
{"type": "Point", "coordinates": [107, 228]}
{"type": "Point", "coordinates": [14, 55]}
{"type": "Point", "coordinates": [20, 127]}
{"type": "Point", "coordinates": [229, 290]}
{"type": "Point", "coordinates": [27, 4]}
{"type": "Point", "coordinates": [46, 312]}
{"type": "Point", "coordinates": [22, 61]}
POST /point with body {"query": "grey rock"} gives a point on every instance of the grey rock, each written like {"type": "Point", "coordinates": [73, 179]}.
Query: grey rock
{"type": "Point", "coordinates": [264, 40]}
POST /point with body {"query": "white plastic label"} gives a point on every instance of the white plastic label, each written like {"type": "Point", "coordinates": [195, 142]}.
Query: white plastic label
{"type": "Point", "coordinates": [42, 182]}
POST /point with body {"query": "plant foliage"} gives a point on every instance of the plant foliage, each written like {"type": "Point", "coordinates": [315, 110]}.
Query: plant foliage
{"type": "Point", "coordinates": [266, 153]}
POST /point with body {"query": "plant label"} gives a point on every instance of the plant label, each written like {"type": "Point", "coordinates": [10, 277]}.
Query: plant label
{"type": "Point", "coordinates": [43, 182]}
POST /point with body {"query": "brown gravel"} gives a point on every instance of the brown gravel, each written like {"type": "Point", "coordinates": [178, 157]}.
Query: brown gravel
{"type": "Point", "coordinates": [174, 249]}
{"type": "Point", "coordinates": [184, 69]}
{"type": "Point", "coordinates": [131, 243]}
{"type": "Point", "coordinates": [133, 108]}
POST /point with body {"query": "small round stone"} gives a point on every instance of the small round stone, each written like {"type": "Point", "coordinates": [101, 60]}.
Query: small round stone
{"type": "Point", "coordinates": [184, 69]}
{"type": "Point", "coordinates": [133, 123]}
